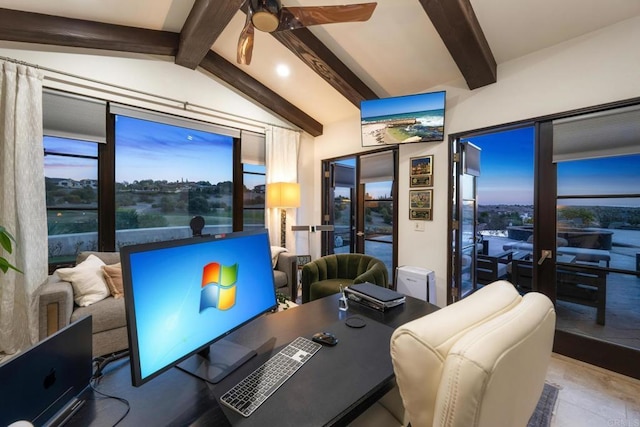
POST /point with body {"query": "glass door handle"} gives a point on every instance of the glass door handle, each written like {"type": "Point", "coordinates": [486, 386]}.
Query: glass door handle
{"type": "Point", "coordinates": [546, 253]}
{"type": "Point", "coordinates": [360, 233]}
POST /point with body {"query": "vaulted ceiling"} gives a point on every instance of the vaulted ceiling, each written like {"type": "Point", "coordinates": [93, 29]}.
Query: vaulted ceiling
{"type": "Point", "coordinates": [408, 46]}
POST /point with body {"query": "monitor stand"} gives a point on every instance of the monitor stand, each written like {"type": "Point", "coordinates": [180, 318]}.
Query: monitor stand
{"type": "Point", "coordinates": [217, 361]}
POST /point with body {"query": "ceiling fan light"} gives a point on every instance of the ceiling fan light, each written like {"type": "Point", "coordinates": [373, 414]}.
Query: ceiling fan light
{"type": "Point", "coordinates": [265, 14]}
{"type": "Point", "coordinates": [265, 21]}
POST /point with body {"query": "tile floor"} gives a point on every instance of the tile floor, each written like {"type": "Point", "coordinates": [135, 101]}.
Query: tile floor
{"type": "Point", "coordinates": [592, 396]}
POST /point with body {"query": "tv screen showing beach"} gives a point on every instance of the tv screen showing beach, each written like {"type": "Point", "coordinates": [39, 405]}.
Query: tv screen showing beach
{"type": "Point", "coordinates": [403, 119]}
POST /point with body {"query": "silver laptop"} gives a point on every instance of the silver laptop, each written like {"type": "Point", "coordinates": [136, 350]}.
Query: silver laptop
{"type": "Point", "coordinates": [43, 385]}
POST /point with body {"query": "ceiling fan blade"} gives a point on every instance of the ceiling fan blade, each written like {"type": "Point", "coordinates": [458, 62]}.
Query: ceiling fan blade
{"type": "Point", "coordinates": [245, 42]}
{"type": "Point", "coordinates": [298, 17]}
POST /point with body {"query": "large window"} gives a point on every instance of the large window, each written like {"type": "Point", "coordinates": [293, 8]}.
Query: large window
{"type": "Point", "coordinates": [166, 175]}
{"type": "Point", "coordinates": [252, 159]}
{"type": "Point", "coordinates": [254, 181]}
{"type": "Point", "coordinates": [118, 175]}
{"type": "Point", "coordinates": [71, 183]}
{"type": "Point", "coordinates": [74, 129]}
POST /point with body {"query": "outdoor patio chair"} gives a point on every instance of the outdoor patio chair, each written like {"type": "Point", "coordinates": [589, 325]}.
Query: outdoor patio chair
{"type": "Point", "coordinates": [490, 268]}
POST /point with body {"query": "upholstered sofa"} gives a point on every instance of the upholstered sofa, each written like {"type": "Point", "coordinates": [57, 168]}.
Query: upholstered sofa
{"type": "Point", "coordinates": [285, 273]}
{"type": "Point", "coordinates": [324, 276]}
{"type": "Point", "coordinates": [57, 307]}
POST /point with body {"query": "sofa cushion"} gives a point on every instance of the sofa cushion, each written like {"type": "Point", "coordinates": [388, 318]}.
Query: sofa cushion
{"type": "Point", "coordinates": [106, 315]}
{"type": "Point", "coordinates": [108, 258]}
{"type": "Point", "coordinates": [113, 277]}
{"type": "Point", "coordinates": [279, 278]}
{"type": "Point", "coordinates": [87, 280]}
{"type": "Point", "coordinates": [275, 251]}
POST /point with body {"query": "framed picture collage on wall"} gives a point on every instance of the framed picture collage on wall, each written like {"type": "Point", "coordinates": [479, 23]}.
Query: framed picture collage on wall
{"type": "Point", "coordinates": [420, 200]}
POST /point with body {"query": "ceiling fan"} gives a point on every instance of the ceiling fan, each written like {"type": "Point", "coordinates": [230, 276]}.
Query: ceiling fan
{"type": "Point", "coordinates": [270, 16]}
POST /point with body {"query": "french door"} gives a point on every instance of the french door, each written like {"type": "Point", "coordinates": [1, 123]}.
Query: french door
{"type": "Point", "coordinates": [578, 238]}
{"type": "Point", "coordinates": [359, 208]}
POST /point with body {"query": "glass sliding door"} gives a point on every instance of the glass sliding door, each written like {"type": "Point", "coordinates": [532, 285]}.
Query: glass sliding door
{"type": "Point", "coordinates": [597, 157]}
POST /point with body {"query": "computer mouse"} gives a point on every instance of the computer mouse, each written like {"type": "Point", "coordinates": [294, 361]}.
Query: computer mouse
{"type": "Point", "coordinates": [325, 338]}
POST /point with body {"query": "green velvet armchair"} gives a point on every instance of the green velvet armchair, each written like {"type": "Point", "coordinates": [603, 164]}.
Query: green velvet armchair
{"type": "Point", "coordinates": [324, 276]}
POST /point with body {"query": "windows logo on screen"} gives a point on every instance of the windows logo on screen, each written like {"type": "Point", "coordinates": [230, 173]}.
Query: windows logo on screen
{"type": "Point", "coordinates": [218, 286]}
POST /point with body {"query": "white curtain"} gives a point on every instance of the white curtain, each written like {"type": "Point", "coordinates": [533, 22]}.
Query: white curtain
{"type": "Point", "coordinates": [23, 210]}
{"type": "Point", "coordinates": [281, 152]}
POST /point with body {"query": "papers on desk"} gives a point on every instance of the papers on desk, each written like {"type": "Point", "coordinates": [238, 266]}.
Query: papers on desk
{"type": "Point", "coordinates": [374, 296]}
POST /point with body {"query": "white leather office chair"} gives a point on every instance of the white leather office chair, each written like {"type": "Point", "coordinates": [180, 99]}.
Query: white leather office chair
{"type": "Point", "coordinates": [479, 362]}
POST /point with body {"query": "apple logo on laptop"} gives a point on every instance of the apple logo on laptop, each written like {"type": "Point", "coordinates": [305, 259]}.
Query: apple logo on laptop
{"type": "Point", "coordinates": [50, 379]}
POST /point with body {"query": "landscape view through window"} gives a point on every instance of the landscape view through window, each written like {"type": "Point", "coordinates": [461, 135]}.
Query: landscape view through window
{"type": "Point", "coordinates": [164, 175]}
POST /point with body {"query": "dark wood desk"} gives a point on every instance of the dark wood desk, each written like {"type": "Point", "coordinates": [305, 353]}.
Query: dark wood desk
{"type": "Point", "coordinates": [320, 393]}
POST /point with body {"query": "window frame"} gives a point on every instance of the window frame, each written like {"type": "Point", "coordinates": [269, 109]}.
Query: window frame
{"type": "Point", "coordinates": [106, 190]}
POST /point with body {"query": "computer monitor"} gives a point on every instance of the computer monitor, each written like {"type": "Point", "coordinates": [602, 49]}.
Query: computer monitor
{"type": "Point", "coordinates": [182, 296]}
{"type": "Point", "coordinates": [44, 384]}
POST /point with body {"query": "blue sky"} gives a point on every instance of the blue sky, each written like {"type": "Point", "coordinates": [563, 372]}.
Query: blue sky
{"type": "Point", "coordinates": [402, 104]}
{"type": "Point", "coordinates": [507, 173]}
{"type": "Point", "coordinates": [612, 175]}
{"type": "Point", "coordinates": [506, 167]}
{"type": "Point", "coordinates": [149, 150]}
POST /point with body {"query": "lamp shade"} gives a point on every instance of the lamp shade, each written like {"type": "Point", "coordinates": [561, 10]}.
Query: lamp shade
{"type": "Point", "coordinates": [283, 195]}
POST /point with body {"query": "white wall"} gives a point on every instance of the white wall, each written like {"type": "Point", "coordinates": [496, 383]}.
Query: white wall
{"type": "Point", "coordinates": [146, 73]}
{"type": "Point", "coordinates": [594, 69]}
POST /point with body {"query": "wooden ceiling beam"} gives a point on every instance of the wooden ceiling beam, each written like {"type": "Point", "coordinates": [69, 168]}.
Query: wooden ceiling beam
{"type": "Point", "coordinates": [458, 26]}
{"type": "Point", "coordinates": [52, 30]}
{"type": "Point", "coordinates": [229, 73]}
{"type": "Point", "coordinates": [205, 23]}
{"type": "Point", "coordinates": [55, 30]}
{"type": "Point", "coordinates": [320, 59]}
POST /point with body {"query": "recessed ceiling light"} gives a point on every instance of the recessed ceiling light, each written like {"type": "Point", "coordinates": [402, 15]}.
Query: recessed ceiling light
{"type": "Point", "coordinates": [283, 70]}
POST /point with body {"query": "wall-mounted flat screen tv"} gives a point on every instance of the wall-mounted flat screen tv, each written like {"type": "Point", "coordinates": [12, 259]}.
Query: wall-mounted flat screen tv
{"type": "Point", "coordinates": [403, 119]}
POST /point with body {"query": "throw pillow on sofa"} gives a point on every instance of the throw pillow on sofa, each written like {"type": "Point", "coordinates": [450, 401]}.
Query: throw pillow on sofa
{"type": "Point", "coordinates": [113, 277]}
{"type": "Point", "coordinates": [87, 281]}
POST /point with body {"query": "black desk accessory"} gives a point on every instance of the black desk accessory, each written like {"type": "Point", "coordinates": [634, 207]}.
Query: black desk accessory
{"type": "Point", "coordinates": [355, 322]}
{"type": "Point", "coordinates": [374, 296]}
{"type": "Point", "coordinates": [325, 338]}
